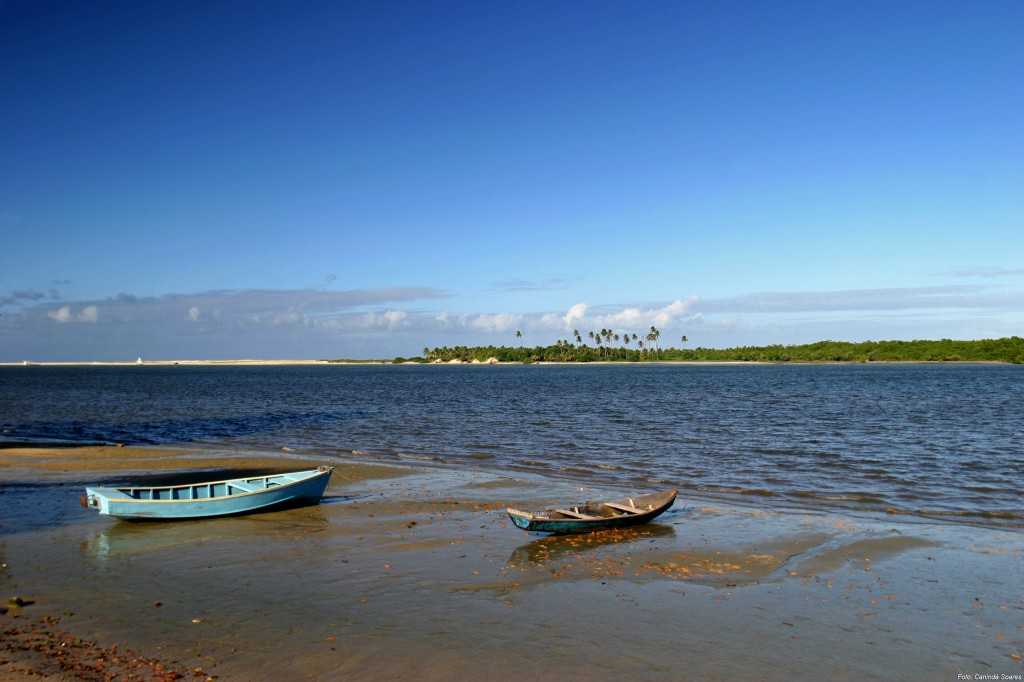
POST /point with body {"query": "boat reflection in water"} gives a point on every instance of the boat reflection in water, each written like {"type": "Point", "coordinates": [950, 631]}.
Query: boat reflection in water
{"type": "Point", "coordinates": [127, 538]}
{"type": "Point", "coordinates": [555, 548]}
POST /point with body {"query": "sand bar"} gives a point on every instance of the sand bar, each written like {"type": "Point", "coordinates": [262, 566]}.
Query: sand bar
{"type": "Point", "coordinates": [414, 573]}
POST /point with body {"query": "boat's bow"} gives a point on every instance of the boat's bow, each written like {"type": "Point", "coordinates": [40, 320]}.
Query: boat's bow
{"type": "Point", "coordinates": [520, 518]}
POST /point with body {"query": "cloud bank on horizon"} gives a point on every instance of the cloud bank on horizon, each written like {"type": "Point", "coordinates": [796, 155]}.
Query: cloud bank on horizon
{"type": "Point", "coordinates": [383, 322]}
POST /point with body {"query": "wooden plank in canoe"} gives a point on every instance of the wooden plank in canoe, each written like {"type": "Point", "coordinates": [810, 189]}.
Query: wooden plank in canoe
{"type": "Point", "coordinates": [623, 507]}
{"type": "Point", "coordinates": [576, 515]}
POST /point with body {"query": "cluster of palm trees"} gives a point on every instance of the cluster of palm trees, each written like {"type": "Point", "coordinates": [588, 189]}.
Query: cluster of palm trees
{"type": "Point", "coordinates": [604, 338]}
{"type": "Point", "coordinates": [607, 345]}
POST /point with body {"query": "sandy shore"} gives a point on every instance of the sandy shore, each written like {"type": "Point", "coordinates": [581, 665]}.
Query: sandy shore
{"type": "Point", "coordinates": [415, 573]}
{"type": "Point", "coordinates": [193, 363]}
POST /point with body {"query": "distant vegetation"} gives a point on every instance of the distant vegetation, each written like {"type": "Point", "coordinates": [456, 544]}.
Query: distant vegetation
{"type": "Point", "coordinates": [606, 345]}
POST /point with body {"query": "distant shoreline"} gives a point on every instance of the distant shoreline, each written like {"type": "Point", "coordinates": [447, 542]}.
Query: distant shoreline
{"type": "Point", "coordinates": [171, 363]}
{"type": "Point", "coordinates": [1009, 350]}
{"type": "Point", "coordinates": [306, 363]}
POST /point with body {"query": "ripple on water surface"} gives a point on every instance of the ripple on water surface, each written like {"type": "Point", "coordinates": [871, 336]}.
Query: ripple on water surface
{"type": "Point", "coordinates": [942, 439]}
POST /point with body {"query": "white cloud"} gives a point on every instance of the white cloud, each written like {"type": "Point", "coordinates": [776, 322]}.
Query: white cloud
{"type": "Point", "coordinates": [634, 317]}
{"type": "Point", "coordinates": [500, 322]}
{"type": "Point", "coordinates": [552, 321]}
{"type": "Point", "coordinates": [193, 314]}
{"type": "Point", "coordinates": [389, 319]}
{"type": "Point", "coordinates": [395, 317]}
{"type": "Point", "coordinates": [575, 315]}
{"type": "Point", "coordinates": [89, 313]}
{"type": "Point", "coordinates": [627, 317]}
{"type": "Point", "coordinates": [672, 311]}
{"type": "Point", "coordinates": [61, 314]}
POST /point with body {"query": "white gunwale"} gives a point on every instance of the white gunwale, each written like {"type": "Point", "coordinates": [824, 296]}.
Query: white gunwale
{"type": "Point", "coordinates": [625, 510]}
{"type": "Point", "coordinates": [133, 500]}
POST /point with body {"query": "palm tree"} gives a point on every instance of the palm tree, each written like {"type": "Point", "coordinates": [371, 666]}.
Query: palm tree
{"type": "Point", "coordinates": [426, 352]}
{"type": "Point", "coordinates": [684, 339]}
{"type": "Point", "coordinates": [519, 334]}
{"type": "Point", "coordinates": [591, 335]}
{"type": "Point", "coordinates": [653, 334]}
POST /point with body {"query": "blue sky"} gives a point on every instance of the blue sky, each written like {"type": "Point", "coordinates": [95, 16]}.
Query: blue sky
{"type": "Point", "coordinates": [227, 179]}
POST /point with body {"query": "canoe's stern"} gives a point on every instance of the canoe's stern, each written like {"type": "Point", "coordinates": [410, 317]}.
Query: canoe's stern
{"type": "Point", "coordinates": [520, 518]}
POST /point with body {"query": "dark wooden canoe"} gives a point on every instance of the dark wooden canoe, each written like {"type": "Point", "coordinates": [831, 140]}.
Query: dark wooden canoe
{"type": "Point", "coordinates": [590, 516]}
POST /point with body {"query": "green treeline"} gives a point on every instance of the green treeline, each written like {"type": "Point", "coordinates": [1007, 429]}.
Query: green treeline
{"type": "Point", "coordinates": [944, 350]}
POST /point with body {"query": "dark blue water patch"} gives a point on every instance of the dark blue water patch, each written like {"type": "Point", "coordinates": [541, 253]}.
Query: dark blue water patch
{"type": "Point", "coordinates": [178, 430]}
{"type": "Point", "coordinates": [26, 506]}
{"type": "Point", "coordinates": [884, 436]}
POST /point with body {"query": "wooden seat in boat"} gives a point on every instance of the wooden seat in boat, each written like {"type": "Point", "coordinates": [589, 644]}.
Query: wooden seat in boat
{"type": "Point", "coordinates": [624, 507]}
{"type": "Point", "coordinates": [576, 515]}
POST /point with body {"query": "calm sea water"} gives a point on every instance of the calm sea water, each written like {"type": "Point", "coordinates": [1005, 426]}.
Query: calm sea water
{"type": "Point", "coordinates": [915, 438]}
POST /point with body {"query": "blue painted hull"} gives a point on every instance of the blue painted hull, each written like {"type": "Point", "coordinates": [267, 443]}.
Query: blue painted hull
{"type": "Point", "coordinates": [205, 500]}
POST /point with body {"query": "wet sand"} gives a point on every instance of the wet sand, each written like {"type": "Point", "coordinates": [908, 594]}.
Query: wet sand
{"type": "Point", "coordinates": [56, 463]}
{"type": "Point", "coordinates": [417, 573]}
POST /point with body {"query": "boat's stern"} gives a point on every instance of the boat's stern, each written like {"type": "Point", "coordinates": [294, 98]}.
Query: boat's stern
{"type": "Point", "coordinates": [94, 499]}
{"type": "Point", "coordinates": [520, 518]}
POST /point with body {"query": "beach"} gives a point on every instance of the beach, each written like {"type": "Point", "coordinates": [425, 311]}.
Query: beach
{"type": "Point", "coordinates": [415, 572]}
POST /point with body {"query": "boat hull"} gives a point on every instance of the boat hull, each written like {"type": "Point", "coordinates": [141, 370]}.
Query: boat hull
{"type": "Point", "coordinates": [307, 490]}
{"type": "Point", "coordinates": [530, 522]}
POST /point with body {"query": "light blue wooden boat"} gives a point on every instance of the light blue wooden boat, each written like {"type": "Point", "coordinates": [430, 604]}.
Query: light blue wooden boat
{"type": "Point", "coordinates": [214, 498]}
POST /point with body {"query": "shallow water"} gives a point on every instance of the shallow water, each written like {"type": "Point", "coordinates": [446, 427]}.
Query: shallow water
{"type": "Point", "coordinates": [421, 577]}
{"type": "Point", "coordinates": [942, 439]}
